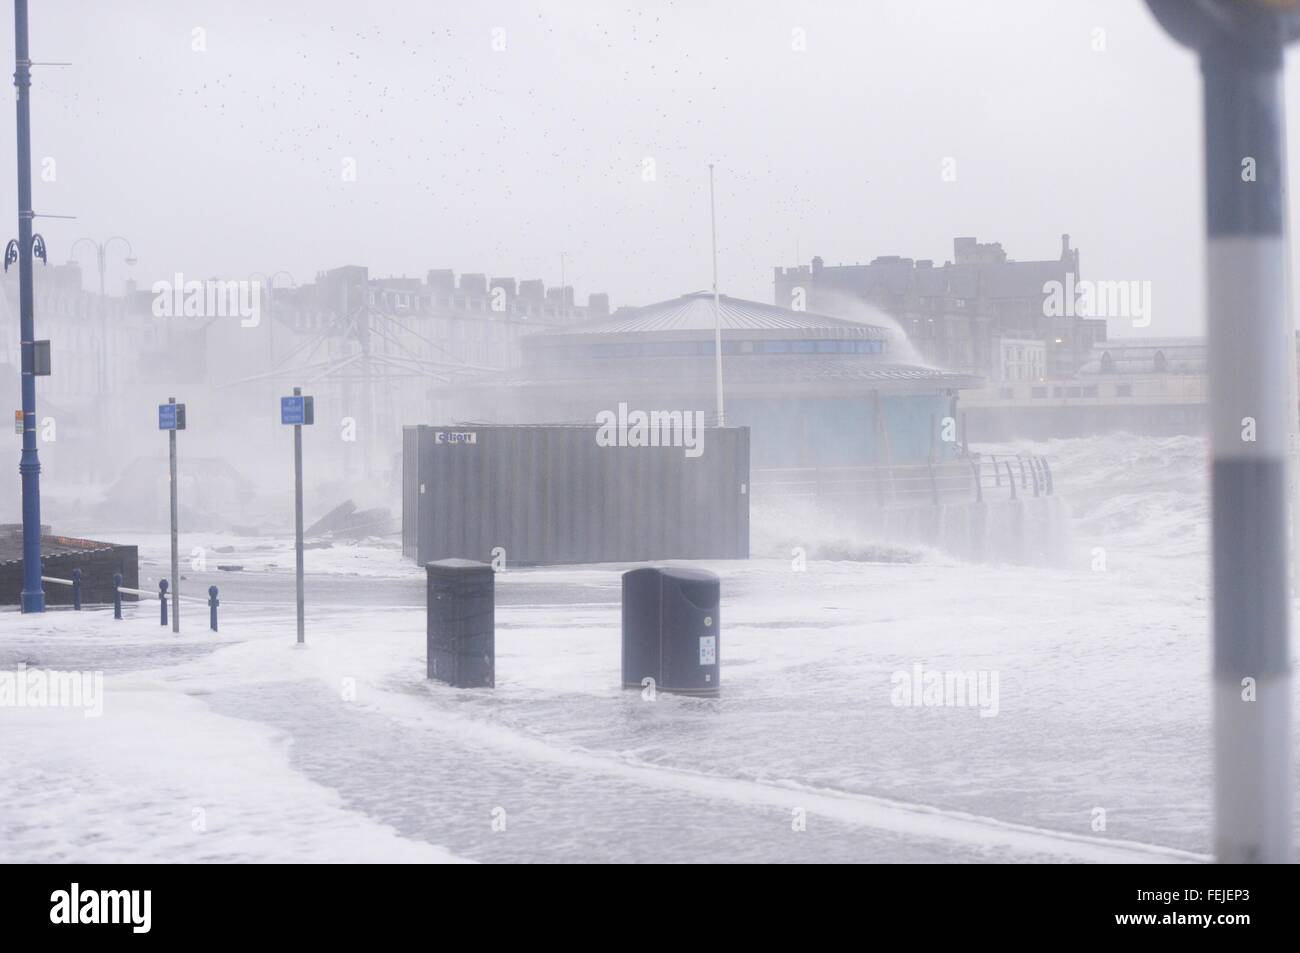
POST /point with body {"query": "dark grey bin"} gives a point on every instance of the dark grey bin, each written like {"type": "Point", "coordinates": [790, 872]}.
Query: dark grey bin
{"type": "Point", "coordinates": [461, 634]}
{"type": "Point", "coordinates": [672, 629]}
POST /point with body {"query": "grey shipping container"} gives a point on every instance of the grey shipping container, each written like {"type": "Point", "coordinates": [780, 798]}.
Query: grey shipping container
{"type": "Point", "coordinates": [546, 495]}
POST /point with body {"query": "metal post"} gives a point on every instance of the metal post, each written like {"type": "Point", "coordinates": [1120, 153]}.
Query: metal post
{"type": "Point", "coordinates": [162, 601]}
{"type": "Point", "coordinates": [297, 518]}
{"type": "Point", "coordinates": [1011, 480]}
{"type": "Point", "coordinates": [717, 311]}
{"type": "Point", "coordinates": [176, 557]}
{"type": "Point", "coordinates": [213, 602]}
{"type": "Point", "coordinates": [103, 324]}
{"type": "Point", "coordinates": [117, 595]}
{"type": "Point", "coordinates": [76, 589]}
{"type": "Point", "coordinates": [33, 594]}
{"type": "Point", "coordinates": [1251, 373]}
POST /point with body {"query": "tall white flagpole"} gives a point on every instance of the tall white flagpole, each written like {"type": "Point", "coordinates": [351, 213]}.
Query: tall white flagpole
{"type": "Point", "coordinates": [717, 311]}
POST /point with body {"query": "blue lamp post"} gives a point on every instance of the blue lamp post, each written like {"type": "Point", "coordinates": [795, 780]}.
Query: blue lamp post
{"type": "Point", "coordinates": [1251, 373]}
{"type": "Point", "coordinates": [33, 596]}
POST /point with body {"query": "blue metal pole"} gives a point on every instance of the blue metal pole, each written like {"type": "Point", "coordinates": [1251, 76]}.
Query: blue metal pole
{"type": "Point", "coordinates": [33, 595]}
{"type": "Point", "coordinates": [117, 595]}
{"type": "Point", "coordinates": [213, 602]}
{"type": "Point", "coordinates": [76, 589]}
{"type": "Point", "coordinates": [162, 601]}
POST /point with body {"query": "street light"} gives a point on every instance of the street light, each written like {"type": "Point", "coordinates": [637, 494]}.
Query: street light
{"type": "Point", "coordinates": [1252, 368]}
{"type": "Point", "coordinates": [23, 249]}
{"type": "Point", "coordinates": [101, 252]}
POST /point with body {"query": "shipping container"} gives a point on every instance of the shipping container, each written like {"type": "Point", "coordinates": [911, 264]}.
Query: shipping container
{"type": "Point", "coordinates": [547, 495]}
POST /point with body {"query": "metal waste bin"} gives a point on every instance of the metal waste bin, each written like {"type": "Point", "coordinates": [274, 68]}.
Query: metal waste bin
{"type": "Point", "coordinates": [461, 633]}
{"type": "Point", "coordinates": [671, 629]}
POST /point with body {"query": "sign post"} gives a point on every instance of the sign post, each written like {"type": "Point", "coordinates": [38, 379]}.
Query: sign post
{"type": "Point", "coordinates": [171, 417]}
{"type": "Point", "coordinates": [297, 411]}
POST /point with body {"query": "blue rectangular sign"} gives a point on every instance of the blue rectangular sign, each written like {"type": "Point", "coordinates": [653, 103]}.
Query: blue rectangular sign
{"type": "Point", "coordinates": [297, 410]}
{"type": "Point", "coordinates": [171, 416]}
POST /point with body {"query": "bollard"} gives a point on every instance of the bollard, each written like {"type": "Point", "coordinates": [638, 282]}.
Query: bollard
{"type": "Point", "coordinates": [460, 634]}
{"type": "Point", "coordinates": [1047, 475]}
{"type": "Point", "coordinates": [76, 590]}
{"type": "Point", "coordinates": [1033, 470]}
{"type": "Point", "coordinates": [1011, 480]}
{"type": "Point", "coordinates": [213, 602]}
{"type": "Point", "coordinates": [979, 489]}
{"type": "Point", "coordinates": [117, 595]}
{"type": "Point", "coordinates": [162, 600]}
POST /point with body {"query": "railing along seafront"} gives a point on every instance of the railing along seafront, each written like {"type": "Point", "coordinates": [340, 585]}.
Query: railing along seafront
{"type": "Point", "coordinates": [212, 601]}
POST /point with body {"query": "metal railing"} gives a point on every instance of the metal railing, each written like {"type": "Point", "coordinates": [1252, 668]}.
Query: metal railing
{"type": "Point", "coordinates": [74, 582]}
{"type": "Point", "coordinates": [1002, 472]}
{"type": "Point", "coordinates": [212, 601]}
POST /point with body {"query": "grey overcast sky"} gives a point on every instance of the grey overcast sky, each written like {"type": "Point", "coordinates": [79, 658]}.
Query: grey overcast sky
{"type": "Point", "coordinates": [230, 159]}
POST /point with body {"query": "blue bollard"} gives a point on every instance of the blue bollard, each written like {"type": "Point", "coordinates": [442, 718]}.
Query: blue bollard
{"type": "Point", "coordinates": [162, 601]}
{"type": "Point", "coordinates": [76, 590]}
{"type": "Point", "coordinates": [213, 602]}
{"type": "Point", "coordinates": [117, 595]}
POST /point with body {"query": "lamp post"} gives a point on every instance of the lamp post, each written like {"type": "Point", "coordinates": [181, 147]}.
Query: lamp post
{"type": "Point", "coordinates": [101, 253]}
{"type": "Point", "coordinates": [717, 311]}
{"type": "Point", "coordinates": [1252, 366]}
{"type": "Point", "coordinates": [29, 466]}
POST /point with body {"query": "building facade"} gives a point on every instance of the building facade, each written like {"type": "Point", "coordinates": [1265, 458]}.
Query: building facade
{"type": "Point", "coordinates": [815, 390]}
{"type": "Point", "coordinates": [956, 313]}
